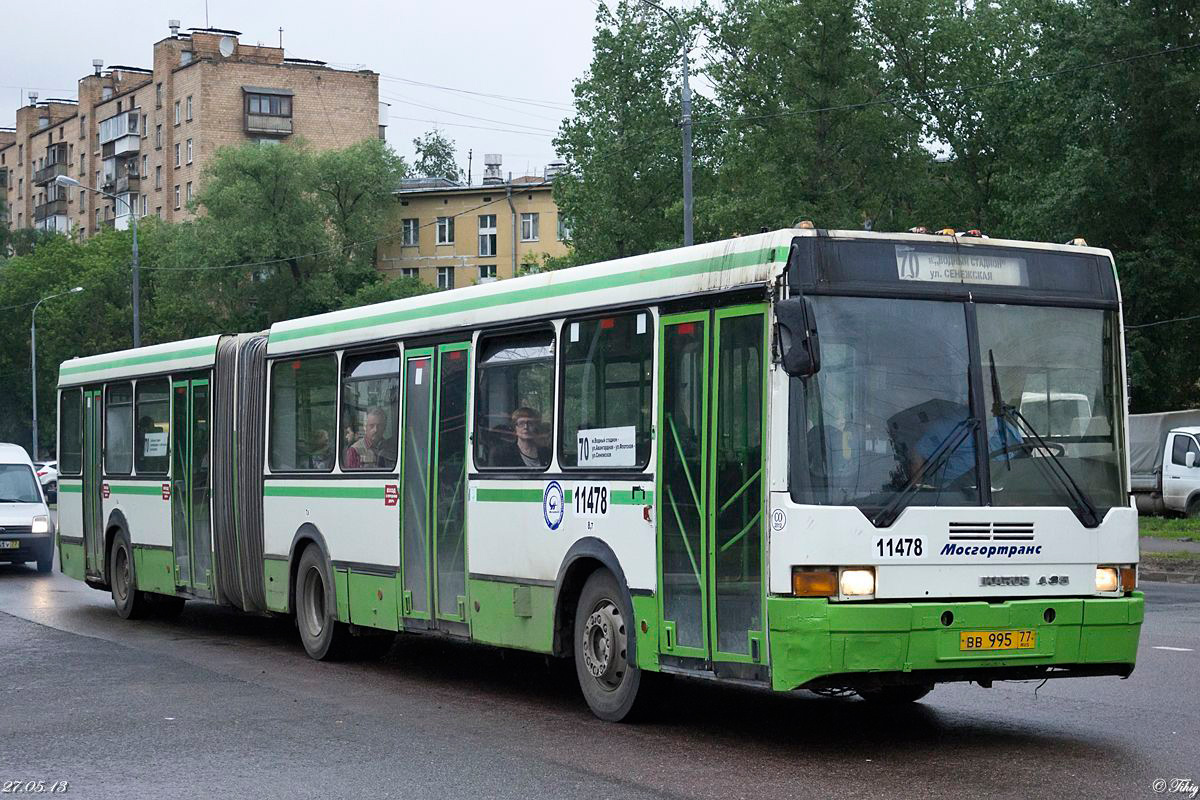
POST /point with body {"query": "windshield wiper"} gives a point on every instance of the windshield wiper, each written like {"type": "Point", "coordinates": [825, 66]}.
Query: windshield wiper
{"type": "Point", "coordinates": [937, 459]}
{"type": "Point", "coordinates": [1004, 414]}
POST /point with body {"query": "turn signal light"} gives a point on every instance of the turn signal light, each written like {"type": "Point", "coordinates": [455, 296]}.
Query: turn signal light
{"type": "Point", "coordinates": [1128, 579]}
{"type": "Point", "coordinates": [814, 582]}
{"type": "Point", "coordinates": [1106, 579]}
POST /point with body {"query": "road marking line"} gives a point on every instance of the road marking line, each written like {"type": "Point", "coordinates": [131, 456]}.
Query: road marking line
{"type": "Point", "coordinates": [1173, 649]}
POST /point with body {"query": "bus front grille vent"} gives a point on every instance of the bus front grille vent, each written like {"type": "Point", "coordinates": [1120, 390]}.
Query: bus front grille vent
{"type": "Point", "coordinates": [991, 531]}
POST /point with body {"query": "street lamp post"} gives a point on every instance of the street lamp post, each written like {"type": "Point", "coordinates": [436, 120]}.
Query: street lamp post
{"type": "Point", "coordinates": [33, 360]}
{"type": "Point", "coordinates": [685, 121]}
{"type": "Point", "coordinates": [67, 182]}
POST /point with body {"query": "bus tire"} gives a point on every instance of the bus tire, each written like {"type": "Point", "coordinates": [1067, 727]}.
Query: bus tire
{"type": "Point", "coordinates": [130, 603]}
{"type": "Point", "coordinates": [602, 634]}
{"type": "Point", "coordinates": [895, 695]}
{"type": "Point", "coordinates": [324, 638]}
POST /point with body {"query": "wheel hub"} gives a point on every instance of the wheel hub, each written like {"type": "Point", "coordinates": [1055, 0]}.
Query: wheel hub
{"type": "Point", "coordinates": [604, 645]}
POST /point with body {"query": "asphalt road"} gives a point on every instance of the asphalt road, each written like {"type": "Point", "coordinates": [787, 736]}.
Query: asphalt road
{"type": "Point", "coordinates": [219, 704]}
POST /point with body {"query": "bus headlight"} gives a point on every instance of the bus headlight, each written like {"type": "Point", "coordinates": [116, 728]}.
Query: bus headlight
{"type": "Point", "coordinates": [858, 582]}
{"type": "Point", "coordinates": [1106, 579]}
{"type": "Point", "coordinates": [40, 524]}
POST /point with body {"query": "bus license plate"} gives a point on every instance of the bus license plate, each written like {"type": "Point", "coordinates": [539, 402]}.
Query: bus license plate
{"type": "Point", "coordinates": [997, 640]}
{"type": "Point", "coordinates": [10, 544]}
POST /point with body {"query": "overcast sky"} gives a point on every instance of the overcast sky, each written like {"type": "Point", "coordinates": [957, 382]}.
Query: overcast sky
{"type": "Point", "coordinates": [530, 49]}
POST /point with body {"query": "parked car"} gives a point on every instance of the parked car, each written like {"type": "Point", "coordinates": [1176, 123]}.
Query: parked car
{"type": "Point", "coordinates": [47, 473]}
{"type": "Point", "coordinates": [1164, 458]}
{"type": "Point", "coordinates": [26, 531]}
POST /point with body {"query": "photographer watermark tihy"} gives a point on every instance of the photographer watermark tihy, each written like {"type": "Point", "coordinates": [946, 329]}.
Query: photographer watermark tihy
{"type": "Point", "coordinates": [1178, 786]}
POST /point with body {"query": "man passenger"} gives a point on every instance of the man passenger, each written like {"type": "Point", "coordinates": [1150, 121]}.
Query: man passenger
{"type": "Point", "coordinates": [371, 451]}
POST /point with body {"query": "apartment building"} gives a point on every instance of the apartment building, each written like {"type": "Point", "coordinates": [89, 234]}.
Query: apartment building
{"type": "Point", "coordinates": [450, 234]}
{"type": "Point", "coordinates": [146, 135]}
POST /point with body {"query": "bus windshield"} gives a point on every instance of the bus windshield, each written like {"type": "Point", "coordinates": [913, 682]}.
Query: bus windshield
{"type": "Point", "coordinates": [885, 414]}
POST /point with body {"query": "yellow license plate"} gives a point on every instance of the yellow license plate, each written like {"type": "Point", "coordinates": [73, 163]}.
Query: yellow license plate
{"type": "Point", "coordinates": [997, 640]}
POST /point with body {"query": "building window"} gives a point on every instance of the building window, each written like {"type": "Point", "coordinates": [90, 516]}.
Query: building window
{"type": "Point", "coordinates": [177, 197]}
{"type": "Point", "coordinates": [515, 401]}
{"type": "Point", "coordinates": [189, 191]}
{"type": "Point", "coordinates": [145, 166]}
{"type": "Point", "coordinates": [370, 411]}
{"type": "Point", "coordinates": [20, 188]}
{"type": "Point", "coordinates": [82, 162]}
{"type": "Point", "coordinates": [82, 198]}
{"type": "Point", "coordinates": [303, 419]}
{"type": "Point", "coordinates": [409, 232]}
{"type": "Point", "coordinates": [158, 136]}
{"type": "Point", "coordinates": [177, 160]}
{"type": "Point", "coordinates": [487, 272]}
{"type": "Point", "coordinates": [189, 108]}
{"type": "Point", "coordinates": [273, 105]}
{"type": "Point", "coordinates": [178, 112]}
{"type": "Point", "coordinates": [607, 367]}
{"type": "Point", "coordinates": [410, 272]}
{"type": "Point", "coordinates": [529, 226]}
{"type": "Point", "coordinates": [445, 278]}
{"type": "Point", "coordinates": [445, 230]}
{"type": "Point", "coordinates": [83, 126]}
{"type": "Point", "coordinates": [145, 205]}
{"type": "Point", "coordinates": [564, 230]}
{"type": "Point", "coordinates": [158, 212]}
{"type": "Point", "coordinates": [158, 177]}
{"type": "Point", "coordinates": [189, 151]}
{"type": "Point", "coordinates": [145, 127]}
{"type": "Point", "coordinates": [158, 95]}
{"type": "Point", "coordinates": [118, 429]}
{"type": "Point", "coordinates": [487, 234]}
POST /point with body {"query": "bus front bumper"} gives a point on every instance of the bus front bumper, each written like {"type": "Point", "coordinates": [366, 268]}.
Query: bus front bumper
{"type": "Point", "coordinates": [815, 643]}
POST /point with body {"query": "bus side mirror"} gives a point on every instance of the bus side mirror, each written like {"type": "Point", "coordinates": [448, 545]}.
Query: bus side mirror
{"type": "Point", "coordinates": [799, 345]}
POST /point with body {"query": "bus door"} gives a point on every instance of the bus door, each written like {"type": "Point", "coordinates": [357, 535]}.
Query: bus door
{"type": "Point", "coordinates": [93, 512]}
{"type": "Point", "coordinates": [191, 529]}
{"type": "Point", "coordinates": [710, 484]}
{"type": "Point", "coordinates": [434, 485]}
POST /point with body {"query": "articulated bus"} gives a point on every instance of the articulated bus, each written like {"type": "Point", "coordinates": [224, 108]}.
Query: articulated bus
{"type": "Point", "coordinates": [812, 459]}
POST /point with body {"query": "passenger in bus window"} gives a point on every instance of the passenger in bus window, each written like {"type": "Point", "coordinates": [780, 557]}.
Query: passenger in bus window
{"type": "Point", "coordinates": [373, 450]}
{"type": "Point", "coordinates": [322, 451]}
{"type": "Point", "coordinates": [527, 450]}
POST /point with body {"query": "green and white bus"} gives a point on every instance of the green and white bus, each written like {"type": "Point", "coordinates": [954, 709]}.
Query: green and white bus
{"type": "Point", "coordinates": [808, 459]}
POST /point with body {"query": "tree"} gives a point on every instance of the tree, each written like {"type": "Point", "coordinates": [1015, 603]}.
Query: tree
{"type": "Point", "coordinates": [354, 188]}
{"type": "Point", "coordinates": [623, 187]}
{"type": "Point", "coordinates": [436, 156]}
{"type": "Point", "coordinates": [798, 89]}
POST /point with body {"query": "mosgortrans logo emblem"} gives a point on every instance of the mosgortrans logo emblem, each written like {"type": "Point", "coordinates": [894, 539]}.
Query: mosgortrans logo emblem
{"type": "Point", "coordinates": [992, 550]}
{"type": "Point", "coordinates": [552, 505]}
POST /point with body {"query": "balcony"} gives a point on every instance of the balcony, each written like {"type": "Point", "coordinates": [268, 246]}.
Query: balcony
{"type": "Point", "coordinates": [268, 124]}
{"type": "Point", "coordinates": [52, 208]}
{"type": "Point", "coordinates": [119, 134]}
{"type": "Point", "coordinates": [49, 173]}
{"type": "Point", "coordinates": [122, 184]}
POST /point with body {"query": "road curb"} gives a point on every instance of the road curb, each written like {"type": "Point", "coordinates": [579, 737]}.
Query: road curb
{"type": "Point", "coordinates": [1168, 577]}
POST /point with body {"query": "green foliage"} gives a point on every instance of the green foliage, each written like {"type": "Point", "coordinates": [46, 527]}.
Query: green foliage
{"type": "Point", "coordinates": [622, 146]}
{"type": "Point", "coordinates": [436, 156]}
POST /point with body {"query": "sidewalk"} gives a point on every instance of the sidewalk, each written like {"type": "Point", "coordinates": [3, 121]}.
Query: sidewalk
{"type": "Point", "coordinates": [1151, 544]}
{"type": "Point", "coordinates": [1169, 560]}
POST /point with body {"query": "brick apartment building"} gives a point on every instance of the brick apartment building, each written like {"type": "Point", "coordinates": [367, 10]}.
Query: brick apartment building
{"type": "Point", "coordinates": [146, 135]}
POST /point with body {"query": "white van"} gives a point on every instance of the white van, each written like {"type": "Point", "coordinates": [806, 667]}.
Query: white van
{"type": "Point", "coordinates": [26, 533]}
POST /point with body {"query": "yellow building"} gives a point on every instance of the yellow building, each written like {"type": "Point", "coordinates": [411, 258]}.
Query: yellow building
{"type": "Point", "coordinates": [451, 235]}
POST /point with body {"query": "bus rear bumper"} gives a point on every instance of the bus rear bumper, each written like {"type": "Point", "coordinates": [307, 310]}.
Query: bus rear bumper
{"type": "Point", "coordinates": [815, 643]}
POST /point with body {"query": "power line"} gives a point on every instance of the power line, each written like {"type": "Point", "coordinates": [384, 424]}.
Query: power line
{"type": "Point", "coordinates": [551, 104]}
{"type": "Point", "coordinates": [402, 99]}
{"type": "Point", "coordinates": [1161, 322]}
{"type": "Point", "coordinates": [476, 127]}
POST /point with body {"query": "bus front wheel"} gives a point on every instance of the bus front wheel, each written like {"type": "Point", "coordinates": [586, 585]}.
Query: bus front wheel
{"type": "Point", "coordinates": [603, 629]}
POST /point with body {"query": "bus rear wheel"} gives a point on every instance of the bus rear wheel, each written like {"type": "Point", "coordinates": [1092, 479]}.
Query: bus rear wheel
{"type": "Point", "coordinates": [130, 603]}
{"type": "Point", "coordinates": [324, 638]}
{"type": "Point", "coordinates": [603, 627]}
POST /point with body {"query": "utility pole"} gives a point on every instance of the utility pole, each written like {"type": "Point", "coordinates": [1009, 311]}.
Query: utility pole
{"type": "Point", "coordinates": [685, 122]}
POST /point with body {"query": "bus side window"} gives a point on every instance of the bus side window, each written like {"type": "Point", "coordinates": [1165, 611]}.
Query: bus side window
{"type": "Point", "coordinates": [370, 411]}
{"type": "Point", "coordinates": [608, 365]}
{"type": "Point", "coordinates": [514, 406]}
{"type": "Point", "coordinates": [153, 413]}
{"type": "Point", "coordinates": [70, 432]}
{"type": "Point", "coordinates": [303, 422]}
{"type": "Point", "coordinates": [118, 429]}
